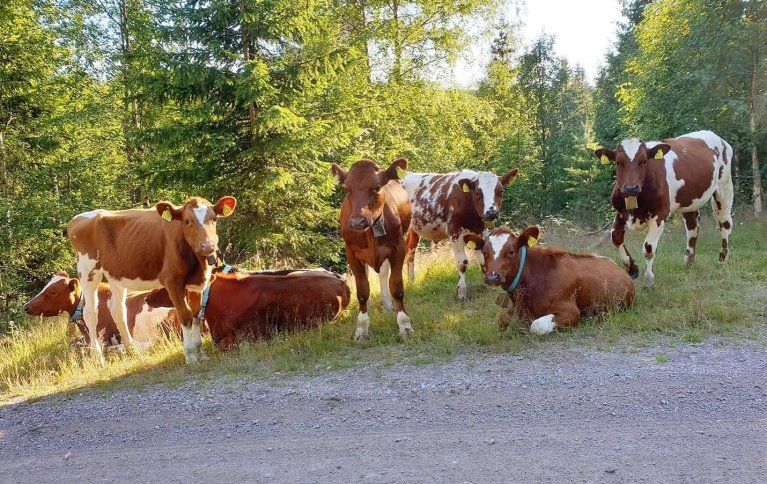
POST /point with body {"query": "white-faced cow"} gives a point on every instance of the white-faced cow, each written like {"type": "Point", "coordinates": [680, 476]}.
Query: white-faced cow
{"type": "Point", "coordinates": [375, 216]}
{"type": "Point", "coordinates": [141, 250]}
{"type": "Point", "coordinates": [549, 288]}
{"type": "Point", "coordinates": [449, 206]}
{"type": "Point", "coordinates": [657, 178]}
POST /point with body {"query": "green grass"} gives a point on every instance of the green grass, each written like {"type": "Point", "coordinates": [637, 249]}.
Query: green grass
{"type": "Point", "coordinates": [687, 306]}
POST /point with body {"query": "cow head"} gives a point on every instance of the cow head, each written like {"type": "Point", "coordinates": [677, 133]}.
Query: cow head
{"type": "Point", "coordinates": [59, 295]}
{"type": "Point", "coordinates": [486, 192]}
{"type": "Point", "coordinates": [631, 158]}
{"type": "Point", "coordinates": [501, 252]}
{"type": "Point", "coordinates": [198, 218]}
{"type": "Point", "coordinates": [363, 183]}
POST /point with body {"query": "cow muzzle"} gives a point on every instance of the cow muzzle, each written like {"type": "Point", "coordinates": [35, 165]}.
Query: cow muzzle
{"type": "Point", "coordinates": [26, 309]}
{"type": "Point", "coordinates": [492, 278]}
{"type": "Point", "coordinates": [631, 190]}
{"type": "Point", "coordinates": [358, 223]}
{"type": "Point", "coordinates": [206, 249]}
{"type": "Point", "coordinates": [491, 214]}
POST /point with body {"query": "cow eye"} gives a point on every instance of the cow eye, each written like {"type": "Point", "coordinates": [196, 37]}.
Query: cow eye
{"type": "Point", "coordinates": [187, 221]}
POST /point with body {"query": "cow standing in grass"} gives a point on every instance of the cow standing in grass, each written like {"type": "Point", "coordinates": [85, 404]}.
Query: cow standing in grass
{"type": "Point", "coordinates": [655, 179]}
{"type": "Point", "coordinates": [140, 250]}
{"type": "Point", "coordinates": [550, 288]}
{"type": "Point", "coordinates": [448, 206]}
{"type": "Point", "coordinates": [375, 215]}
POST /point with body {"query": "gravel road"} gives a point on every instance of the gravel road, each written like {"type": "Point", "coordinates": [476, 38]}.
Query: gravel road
{"type": "Point", "coordinates": [564, 414]}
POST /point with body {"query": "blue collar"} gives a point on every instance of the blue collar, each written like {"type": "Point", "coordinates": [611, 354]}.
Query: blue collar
{"type": "Point", "coordinates": [78, 314]}
{"type": "Point", "coordinates": [518, 277]}
{"type": "Point", "coordinates": [206, 294]}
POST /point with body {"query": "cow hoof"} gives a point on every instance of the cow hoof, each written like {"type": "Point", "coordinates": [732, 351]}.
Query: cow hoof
{"type": "Point", "coordinates": [460, 293]}
{"type": "Point", "coordinates": [634, 272]}
{"type": "Point", "coordinates": [722, 257]}
{"type": "Point", "coordinates": [202, 356]}
{"type": "Point", "coordinates": [360, 335]}
{"type": "Point", "coordinates": [191, 359]}
{"type": "Point", "coordinates": [543, 325]}
{"type": "Point", "coordinates": [405, 327]}
{"type": "Point", "coordinates": [649, 281]}
{"type": "Point", "coordinates": [406, 333]}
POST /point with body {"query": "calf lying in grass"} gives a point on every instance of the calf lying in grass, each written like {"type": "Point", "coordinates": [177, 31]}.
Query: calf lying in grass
{"type": "Point", "coordinates": [549, 288]}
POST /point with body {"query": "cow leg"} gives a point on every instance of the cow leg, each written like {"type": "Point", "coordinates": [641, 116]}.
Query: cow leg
{"type": "Point", "coordinates": [90, 278]}
{"type": "Point", "coordinates": [411, 244]}
{"type": "Point", "coordinates": [565, 316]}
{"type": "Point", "coordinates": [721, 202]}
{"type": "Point", "coordinates": [618, 232]}
{"type": "Point", "coordinates": [397, 288]}
{"type": "Point", "coordinates": [383, 276]}
{"type": "Point", "coordinates": [177, 293]}
{"type": "Point", "coordinates": [461, 263]}
{"type": "Point", "coordinates": [691, 224]}
{"type": "Point", "coordinates": [359, 269]}
{"type": "Point", "coordinates": [654, 232]}
{"type": "Point", "coordinates": [120, 313]}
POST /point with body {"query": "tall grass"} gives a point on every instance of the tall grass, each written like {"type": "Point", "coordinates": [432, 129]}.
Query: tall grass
{"type": "Point", "coordinates": [686, 306]}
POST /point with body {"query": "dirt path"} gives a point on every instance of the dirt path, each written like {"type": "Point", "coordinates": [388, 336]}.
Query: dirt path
{"type": "Point", "coordinates": [564, 415]}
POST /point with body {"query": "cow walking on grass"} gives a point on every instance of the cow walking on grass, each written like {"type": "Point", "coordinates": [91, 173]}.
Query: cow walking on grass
{"type": "Point", "coordinates": [375, 215]}
{"type": "Point", "coordinates": [140, 250]}
{"type": "Point", "coordinates": [549, 288]}
{"type": "Point", "coordinates": [655, 179]}
{"type": "Point", "coordinates": [449, 206]}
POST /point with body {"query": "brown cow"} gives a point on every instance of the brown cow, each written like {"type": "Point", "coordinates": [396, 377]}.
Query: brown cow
{"type": "Point", "coordinates": [141, 250]}
{"type": "Point", "coordinates": [450, 206]}
{"type": "Point", "coordinates": [255, 305]}
{"type": "Point", "coordinates": [375, 215]}
{"type": "Point", "coordinates": [550, 288]}
{"type": "Point", "coordinates": [62, 294]}
{"type": "Point", "coordinates": [655, 179]}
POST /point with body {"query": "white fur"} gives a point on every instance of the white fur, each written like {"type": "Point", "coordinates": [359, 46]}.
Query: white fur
{"type": "Point", "coordinates": [497, 242]}
{"type": "Point", "coordinates": [383, 277]}
{"type": "Point", "coordinates": [201, 211]}
{"type": "Point", "coordinates": [85, 267]}
{"type": "Point", "coordinates": [543, 325]}
{"type": "Point", "coordinates": [91, 214]}
{"type": "Point", "coordinates": [487, 182]}
{"type": "Point", "coordinates": [459, 255]}
{"type": "Point", "coordinates": [708, 137]}
{"type": "Point", "coordinates": [119, 312]}
{"type": "Point", "coordinates": [363, 327]}
{"type": "Point", "coordinates": [53, 281]}
{"type": "Point", "coordinates": [405, 327]}
{"type": "Point", "coordinates": [148, 321]}
{"type": "Point", "coordinates": [654, 232]}
{"type": "Point", "coordinates": [190, 351]}
{"type": "Point", "coordinates": [631, 147]}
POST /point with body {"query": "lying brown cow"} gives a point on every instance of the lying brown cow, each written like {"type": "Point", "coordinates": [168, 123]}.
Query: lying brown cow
{"type": "Point", "coordinates": [62, 294]}
{"type": "Point", "coordinates": [550, 288]}
{"type": "Point", "coordinates": [255, 305]}
{"type": "Point", "coordinates": [375, 215]}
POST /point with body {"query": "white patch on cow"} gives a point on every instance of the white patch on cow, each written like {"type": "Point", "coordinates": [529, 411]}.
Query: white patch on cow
{"type": "Point", "coordinates": [631, 147]}
{"type": "Point", "coordinates": [497, 242]}
{"type": "Point", "coordinates": [635, 224]}
{"type": "Point", "coordinates": [133, 285]}
{"type": "Point", "coordinates": [90, 278]}
{"type": "Point", "coordinates": [91, 214]}
{"type": "Point", "coordinates": [709, 137]}
{"type": "Point", "coordinates": [405, 326]}
{"type": "Point", "coordinates": [383, 278]}
{"type": "Point", "coordinates": [205, 281]}
{"type": "Point", "coordinates": [543, 325]}
{"type": "Point", "coordinates": [190, 351]}
{"type": "Point", "coordinates": [53, 281]}
{"type": "Point", "coordinates": [119, 312]}
{"type": "Point", "coordinates": [147, 325]}
{"type": "Point", "coordinates": [487, 182]}
{"type": "Point", "coordinates": [201, 211]}
{"type": "Point", "coordinates": [363, 327]}
{"type": "Point", "coordinates": [674, 185]}
{"type": "Point", "coordinates": [654, 233]}
{"type": "Point", "coordinates": [461, 263]}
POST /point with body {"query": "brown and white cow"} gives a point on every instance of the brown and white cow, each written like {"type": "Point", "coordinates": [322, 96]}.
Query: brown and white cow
{"type": "Point", "coordinates": [142, 250]}
{"type": "Point", "coordinates": [655, 179]}
{"type": "Point", "coordinates": [449, 206]}
{"type": "Point", "coordinates": [62, 294]}
{"type": "Point", "coordinates": [375, 216]}
{"type": "Point", "coordinates": [550, 288]}
{"type": "Point", "coordinates": [256, 305]}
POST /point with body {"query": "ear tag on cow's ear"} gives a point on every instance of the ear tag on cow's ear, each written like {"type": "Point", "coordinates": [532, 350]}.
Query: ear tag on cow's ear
{"type": "Point", "coordinates": [401, 173]}
{"type": "Point", "coordinates": [604, 159]}
{"type": "Point", "coordinates": [471, 245]}
{"type": "Point", "coordinates": [166, 215]}
{"type": "Point", "coordinates": [659, 154]}
{"type": "Point", "coordinates": [465, 188]}
{"type": "Point", "coordinates": [227, 210]}
{"type": "Point", "coordinates": [631, 203]}
{"type": "Point", "coordinates": [532, 242]}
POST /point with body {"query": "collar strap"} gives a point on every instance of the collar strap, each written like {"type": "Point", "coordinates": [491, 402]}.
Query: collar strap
{"type": "Point", "coordinates": [78, 314]}
{"type": "Point", "coordinates": [206, 294]}
{"type": "Point", "coordinates": [518, 277]}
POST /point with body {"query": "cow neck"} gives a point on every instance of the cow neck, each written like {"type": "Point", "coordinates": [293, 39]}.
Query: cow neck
{"type": "Point", "coordinates": [206, 294]}
{"type": "Point", "coordinates": [518, 277]}
{"type": "Point", "coordinates": [76, 314]}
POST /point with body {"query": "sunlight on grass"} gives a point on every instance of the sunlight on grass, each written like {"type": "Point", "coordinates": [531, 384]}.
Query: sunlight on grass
{"type": "Point", "coordinates": [686, 307]}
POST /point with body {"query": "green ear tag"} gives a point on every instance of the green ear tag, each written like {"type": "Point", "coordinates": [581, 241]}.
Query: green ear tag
{"type": "Point", "coordinates": [401, 173]}
{"type": "Point", "coordinates": [466, 188]}
{"type": "Point", "coordinates": [471, 245]}
{"type": "Point", "coordinates": [532, 242]}
{"type": "Point", "coordinates": [166, 215]}
{"type": "Point", "coordinates": [659, 154]}
{"type": "Point", "coordinates": [604, 159]}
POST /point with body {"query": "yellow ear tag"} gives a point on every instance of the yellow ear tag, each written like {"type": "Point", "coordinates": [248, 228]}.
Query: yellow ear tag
{"type": "Point", "coordinates": [166, 215]}
{"type": "Point", "coordinates": [512, 180]}
{"type": "Point", "coordinates": [659, 155]}
{"type": "Point", "coordinates": [401, 173]}
{"type": "Point", "coordinates": [227, 211]}
{"type": "Point", "coordinates": [471, 245]}
{"type": "Point", "coordinates": [532, 242]}
{"type": "Point", "coordinates": [466, 188]}
{"type": "Point", "coordinates": [604, 159]}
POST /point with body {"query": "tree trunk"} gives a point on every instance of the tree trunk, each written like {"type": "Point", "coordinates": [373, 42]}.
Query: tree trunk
{"type": "Point", "coordinates": [754, 122]}
{"type": "Point", "coordinates": [246, 58]}
{"type": "Point", "coordinates": [397, 66]}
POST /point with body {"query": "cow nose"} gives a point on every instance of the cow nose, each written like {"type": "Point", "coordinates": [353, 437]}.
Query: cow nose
{"type": "Point", "coordinates": [206, 248]}
{"type": "Point", "coordinates": [492, 278]}
{"type": "Point", "coordinates": [26, 308]}
{"type": "Point", "coordinates": [358, 223]}
{"type": "Point", "coordinates": [491, 214]}
{"type": "Point", "coordinates": [631, 189]}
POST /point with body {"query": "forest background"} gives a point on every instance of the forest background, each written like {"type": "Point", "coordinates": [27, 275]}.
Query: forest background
{"type": "Point", "coordinates": [122, 103]}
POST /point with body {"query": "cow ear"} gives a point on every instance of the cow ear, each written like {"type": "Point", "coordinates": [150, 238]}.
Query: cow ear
{"type": "Point", "coordinates": [396, 171]}
{"type": "Point", "coordinates": [467, 184]}
{"type": "Point", "coordinates": [528, 237]}
{"type": "Point", "coordinates": [225, 206]}
{"type": "Point", "coordinates": [73, 283]}
{"type": "Point", "coordinates": [474, 241]}
{"type": "Point", "coordinates": [509, 177]}
{"type": "Point", "coordinates": [658, 151]}
{"type": "Point", "coordinates": [168, 211]}
{"type": "Point", "coordinates": [605, 155]}
{"type": "Point", "coordinates": [339, 174]}
{"type": "Point", "coordinates": [61, 273]}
